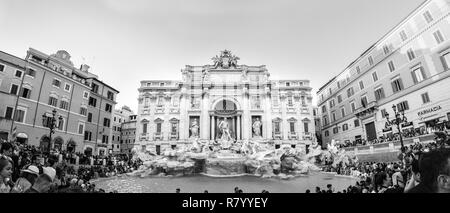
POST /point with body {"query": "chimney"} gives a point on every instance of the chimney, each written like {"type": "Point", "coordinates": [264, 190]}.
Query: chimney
{"type": "Point", "coordinates": [84, 68]}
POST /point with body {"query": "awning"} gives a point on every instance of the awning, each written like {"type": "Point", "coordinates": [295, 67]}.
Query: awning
{"type": "Point", "coordinates": [22, 135]}
{"type": "Point", "coordinates": [432, 119]}
{"type": "Point", "coordinates": [407, 124]}
{"type": "Point", "coordinates": [387, 129]}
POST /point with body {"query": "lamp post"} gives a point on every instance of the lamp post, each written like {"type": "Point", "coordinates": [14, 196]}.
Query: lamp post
{"type": "Point", "coordinates": [399, 119]}
{"type": "Point", "coordinates": [51, 123]}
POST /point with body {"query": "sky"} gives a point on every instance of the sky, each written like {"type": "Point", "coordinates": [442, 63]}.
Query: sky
{"type": "Point", "coordinates": [127, 41]}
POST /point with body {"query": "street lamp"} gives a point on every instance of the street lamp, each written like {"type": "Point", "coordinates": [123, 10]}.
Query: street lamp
{"type": "Point", "coordinates": [51, 123]}
{"type": "Point", "coordinates": [398, 120]}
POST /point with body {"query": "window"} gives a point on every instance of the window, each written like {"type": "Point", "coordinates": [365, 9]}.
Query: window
{"type": "Point", "coordinates": [418, 75]}
{"type": "Point", "coordinates": [19, 116]}
{"type": "Point", "coordinates": [25, 93]}
{"type": "Point", "coordinates": [350, 92]}
{"type": "Point", "coordinates": [343, 112]}
{"type": "Point", "coordinates": [67, 87]}
{"type": "Point", "coordinates": [345, 127]}
{"type": "Point", "coordinates": [105, 139]}
{"type": "Point", "coordinates": [329, 89]}
{"type": "Point", "coordinates": [335, 130]}
{"type": "Point", "coordinates": [31, 72]}
{"type": "Point", "coordinates": [94, 88]}
{"type": "Point", "coordinates": [87, 136]}
{"type": "Point", "coordinates": [334, 116]}
{"type": "Point", "coordinates": [106, 122]}
{"type": "Point", "coordinates": [175, 101]}
{"type": "Point", "coordinates": [290, 100]}
{"type": "Point", "coordinates": [110, 95]}
{"type": "Point", "coordinates": [375, 76]}
{"type": "Point", "coordinates": [64, 105]}
{"type": "Point", "coordinates": [305, 126]}
{"type": "Point", "coordinates": [292, 126]}
{"type": "Point", "coordinates": [386, 49]}
{"type": "Point", "coordinates": [403, 106]}
{"type": "Point", "coordinates": [115, 120]}
{"type": "Point", "coordinates": [9, 113]}
{"type": "Point", "coordinates": [324, 109]}
{"type": "Point", "coordinates": [277, 127]}
{"type": "Point", "coordinates": [161, 84]}
{"type": "Point", "coordinates": [174, 127]}
{"type": "Point", "coordinates": [397, 85]}
{"type": "Point", "coordinates": [446, 60]}
{"type": "Point", "coordinates": [61, 124]}
{"type": "Point", "coordinates": [108, 107]}
{"type": "Point", "coordinates": [383, 113]}
{"type": "Point", "coordinates": [339, 84]}
{"type": "Point", "coordinates": [2, 67]}
{"type": "Point", "coordinates": [353, 106]}
{"type": "Point", "coordinates": [288, 84]}
{"type": "Point", "coordinates": [158, 127]}
{"type": "Point", "coordinates": [327, 133]}
{"type": "Point", "coordinates": [325, 120]}
{"type": "Point", "coordinates": [56, 83]}
{"type": "Point", "coordinates": [438, 36]}
{"type": "Point", "coordinates": [339, 98]}
{"type": "Point", "coordinates": [391, 66]}
{"type": "Point", "coordinates": [361, 85]}
{"type": "Point", "coordinates": [89, 119]}
{"type": "Point", "coordinates": [356, 122]}
{"type": "Point", "coordinates": [425, 98]}
{"type": "Point", "coordinates": [160, 101]}
{"type": "Point", "coordinates": [331, 103]}
{"type": "Point", "coordinates": [364, 101]}
{"type": "Point", "coordinates": [411, 54]}
{"type": "Point", "coordinates": [80, 128]}
{"type": "Point", "coordinates": [18, 73]}
{"type": "Point", "coordinates": [428, 17]}
{"type": "Point", "coordinates": [144, 128]}
{"type": "Point", "coordinates": [303, 100]}
{"type": "Point", "coordinates": [358, 70]}
{"type": "Point", "coordinates": [370, 60]}
{"type": "Point", "coordinates": [403, 35]}
{"type": "Point", "coordinates": [53, 101]}
{"type": "Point", "coordinates": [14, 89]}
{"type": "Point", "coordinates": [85, 94]}
{"type": "Point", "coordinates": [379, 94]}
{"type": "Point", "coordinates": [92, 102]}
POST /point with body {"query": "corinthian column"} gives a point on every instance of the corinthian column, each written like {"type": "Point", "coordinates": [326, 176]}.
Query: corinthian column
{"type": "Point", "coordinates": [184, 121]}
{"type": "Point", "coordinates": [268, 112]}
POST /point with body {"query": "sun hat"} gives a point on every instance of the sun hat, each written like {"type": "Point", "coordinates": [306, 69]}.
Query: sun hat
{"type": "Point", "coordinates": [32, 170]}
{"type": "Point", "coordinates": [50, 171]}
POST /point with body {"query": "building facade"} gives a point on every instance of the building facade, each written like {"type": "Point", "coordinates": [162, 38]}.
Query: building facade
{"type": "Point", "coordinates": [128, 134]}
{"type": "Point", "coordinates": [254, 107]}
{"type": "Point", "coordinates": [37, 85]}
{"type": "Point", "coordinates": [121, 116]}
{"type": "Point", "coordinates": [407, 68]}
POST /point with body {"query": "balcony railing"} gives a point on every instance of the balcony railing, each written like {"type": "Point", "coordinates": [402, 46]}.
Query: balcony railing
{"type": "Point", "coordinates": [277, 135]}
{"type": "Point", "coordinates": [158, 136]}
{"type": "Point", "coordinates": [173, 136]}
{"type": "Point", "coordinates": [292, 135]}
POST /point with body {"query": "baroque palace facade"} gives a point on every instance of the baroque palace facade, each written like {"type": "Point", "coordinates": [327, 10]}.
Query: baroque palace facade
{"type": "Point", "coordinates": [254, 107]}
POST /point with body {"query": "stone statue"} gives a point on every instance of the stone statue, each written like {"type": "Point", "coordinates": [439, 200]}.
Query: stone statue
{"type": "Point", "coordinates": [225, 130]}
{"type": "Point", "coordinates": [194, 128]}
{"type": "Point", "coordinates": [257, 127]}
{"type": "Point", "coordinates": [206, 76]}
{"type": "Point", "coordinates": [217, 61]}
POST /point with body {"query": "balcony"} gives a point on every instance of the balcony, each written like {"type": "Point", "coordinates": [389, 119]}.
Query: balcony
{"type": "Point", "coordinates": [173, 136]}
{"type": "Point", "coordinates": [290, 109]}
{"type": "Point", "coordinates": [292, 136]}
{"type": "Point", "coordinates": [307, 136]}
{"type": "Point", "coordinates": [174, 110]}
{"type": "Point", "coordinates": [159, 110]}
{"type": "Point", "coordinates": [143, 136]}
{"type": "Point", "coordinates": [367, 111]}
{"type": "Point", "coordinates": [277, 135]}
{"type": "Point", "coordinates": [158, 136]}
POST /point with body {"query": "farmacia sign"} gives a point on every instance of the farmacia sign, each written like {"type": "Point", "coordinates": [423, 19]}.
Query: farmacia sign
{"type": "Point", "coordinates": [430, 110]}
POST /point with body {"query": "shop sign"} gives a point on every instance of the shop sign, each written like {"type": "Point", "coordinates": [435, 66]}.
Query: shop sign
{"type": "Point", "coordinates": [429, 110]}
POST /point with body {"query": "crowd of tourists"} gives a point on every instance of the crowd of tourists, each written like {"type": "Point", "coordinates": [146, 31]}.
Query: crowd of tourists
{"type": "Point", "coordinates": [443, 127]}
{"type": "Point", "coordinates": [26, 169]}
{"type": "Point", "coordinates": [421, 168]}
